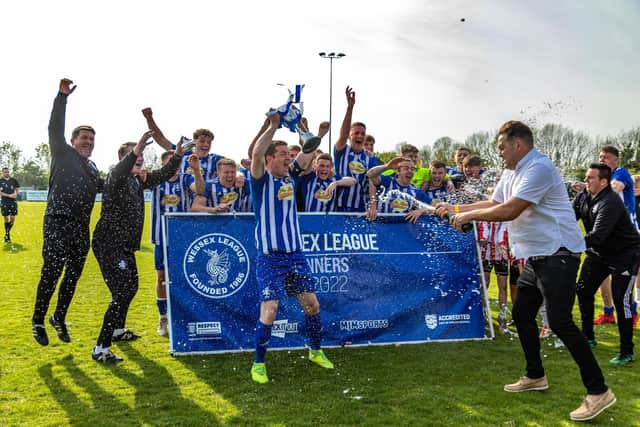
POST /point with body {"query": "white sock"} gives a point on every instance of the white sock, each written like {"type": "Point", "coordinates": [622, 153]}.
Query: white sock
{"type": "Point", "coordinates": [100, 349]}
{"type": "Point", "coordinates": [118, 332]}
{"type": "Point", "coordinates": [503, 310]}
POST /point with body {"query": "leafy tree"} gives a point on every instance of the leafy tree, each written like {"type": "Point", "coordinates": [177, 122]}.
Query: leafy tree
{"type": "Point", "coordinates": [425, 156]}
{"type": "Point", "coordinates": [443, 149]}
{"type": "Point", "coordinates": [30, 174]}
{"type": "Point", "coordinates": [483, 144]}
{"type": "Point", "coordinates": [43, 155]}
{"type": "Point", "coordinates": [9, 156]}
{"type": "Point", "coordinates": [628, 143]}
{"type": "Point", "coordinates": [568, 149]}
{"type": "Point", "coordinates": [385, 156]}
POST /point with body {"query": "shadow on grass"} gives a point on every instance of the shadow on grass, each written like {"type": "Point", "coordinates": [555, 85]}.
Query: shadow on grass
{"type": "Point", "coordinates": [157, 396]}
{"type": "Point", "coordinates": [14, 248]}
{"type": "Point", "coordinates": [156, 393]}
{"type": "Point", "coordinates": [104, 404]}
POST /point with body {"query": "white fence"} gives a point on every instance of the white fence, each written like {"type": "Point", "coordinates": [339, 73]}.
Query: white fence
{"type": "Point", "coordinates": [41, 196]}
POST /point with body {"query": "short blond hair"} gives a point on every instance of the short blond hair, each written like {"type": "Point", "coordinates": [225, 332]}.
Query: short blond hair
{"type": "Point", "coordinates": [225, 162]}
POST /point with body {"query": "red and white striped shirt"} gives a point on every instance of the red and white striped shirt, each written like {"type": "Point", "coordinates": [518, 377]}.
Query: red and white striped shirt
{"type": "Point", "coordinates": [497, 240]}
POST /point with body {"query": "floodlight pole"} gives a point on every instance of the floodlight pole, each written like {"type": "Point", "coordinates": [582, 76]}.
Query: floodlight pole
{"type": "Point", "coordinates": [331, 56]}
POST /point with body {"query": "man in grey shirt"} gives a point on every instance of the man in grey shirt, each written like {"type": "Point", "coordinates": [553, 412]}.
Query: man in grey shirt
{"type": "Point", "coordinates": [543, 231]}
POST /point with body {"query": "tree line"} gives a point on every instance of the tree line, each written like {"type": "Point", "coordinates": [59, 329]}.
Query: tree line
{"type": "Point", "coordinates": [33, 171]}
{"type": "Point", "coordinates": [571, 151]}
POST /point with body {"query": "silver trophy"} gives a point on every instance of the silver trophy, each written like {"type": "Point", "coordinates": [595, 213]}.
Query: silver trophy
{"type": "Point", "coordinates": [187, 143]}
{"type": "Point", "coordinates": [412, 201]}
{"type": "Point", "coordinates": [290, 116]}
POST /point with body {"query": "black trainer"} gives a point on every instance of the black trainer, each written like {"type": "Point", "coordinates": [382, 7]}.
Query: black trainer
{"type": "Point", "coordinates": [106, 357]}
{"type": "Point", "coordinates": [127, 335]}
{"type": "Point", "coordinates": [61, 329]}
{"type": "Point", "coordinates": [40, 334]}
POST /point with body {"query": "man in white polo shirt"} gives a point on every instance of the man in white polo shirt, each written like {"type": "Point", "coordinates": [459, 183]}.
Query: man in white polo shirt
{"type": "Point", "coordinates": [543, 231]}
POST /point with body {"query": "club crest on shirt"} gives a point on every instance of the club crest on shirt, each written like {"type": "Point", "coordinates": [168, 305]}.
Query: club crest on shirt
{"type": "Point", "coordinates": [170, 200]}
{"type": "Point", "coordinates": [216, 265]}
{"type": "Point", "coordinates": [229, 197]}
{"type": "Point", "coordinates": [285, 192]}
{"type": "Point", "coordinates": [322, 196]}
{"type": "Point", "coordinates": [399, 205]}
{"type": "Point", "coordinates": [356, 167]}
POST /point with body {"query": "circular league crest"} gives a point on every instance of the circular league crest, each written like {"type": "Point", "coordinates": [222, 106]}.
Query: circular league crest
{"type": "Point", "coordinates": [216, 265]}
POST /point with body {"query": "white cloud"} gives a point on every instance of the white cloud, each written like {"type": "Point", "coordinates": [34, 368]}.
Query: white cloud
{"type": "Point", "coordinates": [418, 71]}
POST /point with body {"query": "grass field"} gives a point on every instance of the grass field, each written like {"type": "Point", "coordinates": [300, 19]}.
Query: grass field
{"type": "Point", "coordinates": [457, 384]}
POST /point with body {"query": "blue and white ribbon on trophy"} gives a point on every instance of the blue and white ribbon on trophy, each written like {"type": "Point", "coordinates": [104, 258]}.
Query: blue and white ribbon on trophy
{"type": "Point", "coordinates": [291, 113]}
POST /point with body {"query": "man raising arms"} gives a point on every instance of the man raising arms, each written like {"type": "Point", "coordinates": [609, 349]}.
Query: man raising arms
{"type": "Point", "coordinates": [73, 184]}
{"type": "Point", "coordinates": [352, 159]}
{"type": "Point", "coordinates": [281, 268]}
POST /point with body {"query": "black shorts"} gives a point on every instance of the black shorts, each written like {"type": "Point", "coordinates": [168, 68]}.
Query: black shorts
{"type": "Point", "coordinates": [502, 267]}
{"type": "Point", "coordinates": [9, 208]}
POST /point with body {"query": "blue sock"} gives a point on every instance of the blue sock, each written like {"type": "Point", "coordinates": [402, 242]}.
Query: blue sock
{"type": "Point", "coordinates": [609, 310]}
{"type": "Point", "coordinates": [162, 306]}
{"type": "Point", "coordinates": [314, 331]}
{"type": "Point", "coordinates": [263, 335]}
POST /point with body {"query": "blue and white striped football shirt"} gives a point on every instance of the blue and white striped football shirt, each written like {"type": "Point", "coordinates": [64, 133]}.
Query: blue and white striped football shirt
{"type": "Point", "coordinates": [395, 204]}
{"type": "Point", "coordinates": [207, 165]}
{"type": "Point", "coordinates": [274, 205]}
{"type": "Point", "coordinates": [168, 196]}
{"type": "Point", "coordinates": [216, 193]}
{"type": "Point", "coordinates": [350, 163]}
{"type": "Point", "coordinates": [441, 193]}
{"type": "Point", "coordinates": [208, 168]}
{"type": "Point", "coordinates": [313, 193]}
{"type": "Point", "coordinates": [247, 203]}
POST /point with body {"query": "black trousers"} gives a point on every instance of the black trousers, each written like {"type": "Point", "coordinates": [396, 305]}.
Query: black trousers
{"type": "Point", "coordinates": [594, 271]}
{"type": "Point", "coordinates": [553, 279]}
{"type": "Point", "coordinates": [65, 246]}
{"type": "Point", "coordinates": [120, 273]}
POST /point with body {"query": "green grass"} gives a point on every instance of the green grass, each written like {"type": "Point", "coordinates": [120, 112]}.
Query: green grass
{"type": "Point", "coordinates": [430, 384]}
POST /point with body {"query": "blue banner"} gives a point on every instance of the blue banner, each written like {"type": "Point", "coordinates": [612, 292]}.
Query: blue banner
{"type": "Point", "coordinates": [380, 282]}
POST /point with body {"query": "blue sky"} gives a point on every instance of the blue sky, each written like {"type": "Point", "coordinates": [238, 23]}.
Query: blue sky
{"type": "Point", "coordinates": [419, 72]}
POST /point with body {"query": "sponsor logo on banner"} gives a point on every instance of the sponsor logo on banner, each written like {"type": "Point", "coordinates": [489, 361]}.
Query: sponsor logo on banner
{"type": "Point", "coordinates": [281, 328]}
{"type": "Point", "coordinates": [355, 325]}
{"type": "Point", "coordinates": [211, 330]}
{"type": "Point", "coordinates": [216, 265]}
{"type": "Point", "coordinates": [433, 320]}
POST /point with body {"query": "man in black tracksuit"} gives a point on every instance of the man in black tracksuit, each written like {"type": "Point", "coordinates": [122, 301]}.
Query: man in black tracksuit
{"type": "Point", "coordinates": [613, 248]}
{"type": "Point", "coordinates": [9, 188]}
{"type": "Point", "coordinates": [117, 237]}
{"type": "Point", "coordinates": [73, 184]}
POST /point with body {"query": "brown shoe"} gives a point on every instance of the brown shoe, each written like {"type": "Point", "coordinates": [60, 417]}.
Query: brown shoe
{"type": "Point", "coordinates": [592, 405]}
{"type": "Point", "coordinates": [527, 384]}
